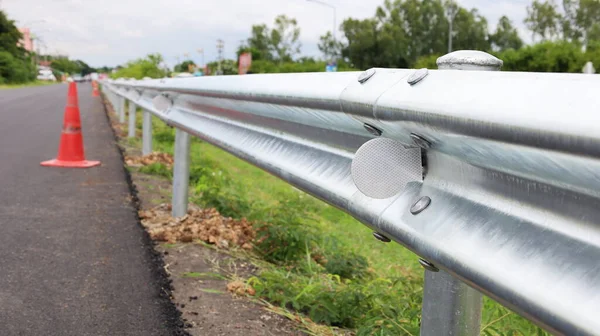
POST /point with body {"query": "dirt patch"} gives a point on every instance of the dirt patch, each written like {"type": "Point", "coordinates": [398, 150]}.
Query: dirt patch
{"type": "Point", "coordinates": [152, 190]}
{"type": "Point", "coordinates": [201, 277]}
{"type": "Point", "coordinates": [198, 224]}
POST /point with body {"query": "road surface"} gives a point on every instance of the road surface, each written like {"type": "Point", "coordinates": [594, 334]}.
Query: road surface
{"type": "Point", "coordinates": [73, 258]}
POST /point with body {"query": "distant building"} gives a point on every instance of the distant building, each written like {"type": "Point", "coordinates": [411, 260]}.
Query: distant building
{"type": "Point", "coordinates": [26, 42]}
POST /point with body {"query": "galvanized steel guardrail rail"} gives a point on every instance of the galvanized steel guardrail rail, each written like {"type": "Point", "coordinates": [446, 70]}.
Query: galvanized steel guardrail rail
{"type": "Point", "coordinates": [492, 178]}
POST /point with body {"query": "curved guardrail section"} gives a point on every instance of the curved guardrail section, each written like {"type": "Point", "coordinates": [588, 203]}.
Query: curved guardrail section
{"type": "Point", "coordinates": [508, 201]}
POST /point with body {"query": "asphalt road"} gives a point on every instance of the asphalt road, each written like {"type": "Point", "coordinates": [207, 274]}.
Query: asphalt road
{"type": "Point", "coordinates": [73, 258]}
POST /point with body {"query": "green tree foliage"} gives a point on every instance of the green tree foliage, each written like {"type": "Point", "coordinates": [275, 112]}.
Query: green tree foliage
{"type": "Point", "coordinates": [65, 65]}
{"type": "Point", "coordinates": [281, 43]}
{"type": "Point", "coordinates": [331, 48]}
{"type": "Point", "coordinates": [303, 65]}
{"type": "Point", "coordinates": [402, 31]}
{"type": "Point", "coordinates": [470, 31]}
{"type": "Point", "coordinates": [16, 65]}
{"type": "Point", "coordinates": [543, 19]}
{"type": "Point", "coordinates": [578, 21]}
{"type": "Point", "coordinates": [104, 69]}
{"type": "Point", "coordinates": [229, 67]}
{"type": "Point", "coordinates": [14, 70]}
{"type": "Point", "coordinates": [548, 56]}
{"type": "Point", "coordinates": [149, 66]}
{"type": "Point", "coordinates": [506, 36]}
{"type": "Point", "coordinates": [184, 66]}
{"type": "Point", "coordinates": [587, 18]}
{"type": "Point", "coordinates": [259, 43]}
{"type": "Point", "coordinates": [284, 38]}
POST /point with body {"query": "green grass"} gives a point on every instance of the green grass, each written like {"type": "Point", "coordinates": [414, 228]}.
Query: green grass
{"type": "Point", "coordinates": [317, 260]}
{"type": "Point", "coordinates": [35, 83]}
{"type": "Point", "coordinates": [203, 275]}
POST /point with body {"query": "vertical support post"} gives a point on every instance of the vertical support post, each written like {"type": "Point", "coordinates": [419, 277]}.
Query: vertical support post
{"type": "Point", "coordinates": [132, 111]}
{"type": "Point", "coordinates": [181, 173]}
{"type": "Point", "coordinates": [121, 108]}
{"type": "Point", "coordinates": [146, 133]}
{"type": "Point", "coordinates": [450, 307]}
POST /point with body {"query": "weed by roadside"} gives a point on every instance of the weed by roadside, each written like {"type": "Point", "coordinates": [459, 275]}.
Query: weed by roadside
{"type": "Point", "coordinates": [34, 83]}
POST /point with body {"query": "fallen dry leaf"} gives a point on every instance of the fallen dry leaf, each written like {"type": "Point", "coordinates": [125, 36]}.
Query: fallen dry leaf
{"type": "Point", "coordinates": [154, 157]}
{"type": "Point", "coordinates": [238, 287]}
{"type": "Point", "coordinates": [204, 224]}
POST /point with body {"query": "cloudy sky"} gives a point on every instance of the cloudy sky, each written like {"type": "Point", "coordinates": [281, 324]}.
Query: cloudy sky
{"type": "Point", "coordinates": [111, 32]}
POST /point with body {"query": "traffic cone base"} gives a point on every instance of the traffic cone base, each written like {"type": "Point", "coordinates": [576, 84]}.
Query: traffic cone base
{"type": "Point", "coordinates": [70, 164]}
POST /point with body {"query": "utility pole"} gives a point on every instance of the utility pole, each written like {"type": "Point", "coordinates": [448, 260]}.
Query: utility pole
{"type": "Point", "coordinates": [220, 47]}
{"type": "Point", "coordinates": [201, 52]}
{"type": "Point", "coordinates": [451, 9]}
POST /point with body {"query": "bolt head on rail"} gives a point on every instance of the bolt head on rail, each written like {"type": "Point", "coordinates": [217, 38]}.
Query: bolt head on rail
{"type": "Point", "coordinates": [365, 75]}
{"type": "Point", "coordinates": [469, 60]}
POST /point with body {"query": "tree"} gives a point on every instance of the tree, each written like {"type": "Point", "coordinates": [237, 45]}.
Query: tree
{"type": "Point", "coordinates": [10, 36]}
{"type": "Point", "coordinates": [560, 56]}
{"type": "Point", "coordinates": [330, 47]}
{"type": "Point", "coordinates": [284, 38]}
{"type": "Point", "coordinates": [259, 43]}
{"type": "Point", "coordinates": [184, 66]}
{"type": "Point", "coordinates": [16, 65]}
{"type": "Point", "coordinates": [543, 19]}
{"type": "Point", "coordinates": [362, 49]}
{"type": "Point", "coordinates": [471, 30]}
{"type": "Point", "coordinates": [150, 66]}
{"type": "Point", "coordinates": [505, 36]}
{"type": "Point", "coordinates": [64, 64]}
{"type": "Point", "coordinates": [228, 66]}
{"type": "Point", "coordinates": [587, 19]}
{"type": "Point", "coordinates": [403, 31]}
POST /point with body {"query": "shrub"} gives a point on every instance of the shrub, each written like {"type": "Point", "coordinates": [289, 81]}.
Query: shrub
{"type": "Point", "coordinates": [14, 70]}
{"type": "Point", "coordinates": [157, 168]}
{"type": "Point", "coordinates": [349, 265]}
{"type": "Point", "coordinates": [284, 233]}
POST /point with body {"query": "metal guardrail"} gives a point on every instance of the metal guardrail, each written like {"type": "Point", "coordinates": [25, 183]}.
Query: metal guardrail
{"type": "Point", "coordinates": [492, 178]}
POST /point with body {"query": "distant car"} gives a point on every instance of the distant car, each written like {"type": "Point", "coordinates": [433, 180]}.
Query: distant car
{"type": "Point", "coordinates": [78, 78]}
{"type": "Point", "coordinates": [46, 75]}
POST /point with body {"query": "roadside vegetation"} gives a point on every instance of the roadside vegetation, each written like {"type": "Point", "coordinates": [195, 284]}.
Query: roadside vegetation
{"type": "Point", "coordinates": [314, 261]}
{"type": "Point", "coordinates": [16, 65]}
{"type": "Point", "coordinates": [21, 85]}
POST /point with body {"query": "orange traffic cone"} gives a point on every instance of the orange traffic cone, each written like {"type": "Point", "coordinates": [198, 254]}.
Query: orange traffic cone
{"type": "Point", "coordinates": [70, 149]}
{"type": "Point", "coordinates": [95, 92]}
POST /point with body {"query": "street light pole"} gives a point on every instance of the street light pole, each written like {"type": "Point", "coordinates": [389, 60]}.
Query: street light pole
{"type": "Point", "coordinates": [451, 11]}
{"type": "Point", "coordinates": [334, 17]}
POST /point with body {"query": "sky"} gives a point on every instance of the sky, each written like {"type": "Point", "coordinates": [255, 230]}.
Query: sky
{"type": "Point", "coordinates": [112, 32]}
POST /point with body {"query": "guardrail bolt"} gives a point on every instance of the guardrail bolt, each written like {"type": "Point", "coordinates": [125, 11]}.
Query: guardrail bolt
{"type": "Point", "coordinates": [372, 129]}
{"type": "Point", "coordinates": [428, 266]}
{"type": "Point", "coordinates": [420, 141]}
{"type": "Point", "coordinates": [381, 237]}
{"type": "Point", "coordinates": [420, 205]}
{"type": "Point", "coordinates": [365, 75]}
{"type": "Point", "coordinates": [417, 76]}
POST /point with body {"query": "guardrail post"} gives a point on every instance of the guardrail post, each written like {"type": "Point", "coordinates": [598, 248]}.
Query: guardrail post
{"type": "Point", "coordinates": [121, 109]}
{"type": "Point", "coordinates": [181, 173]}
{"type": "Point", "coordinates": [451, 307]}
{"type": "Point", "coordinates": [131, 130]}
{"type": "Point", "coordinates": [146, 133]}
